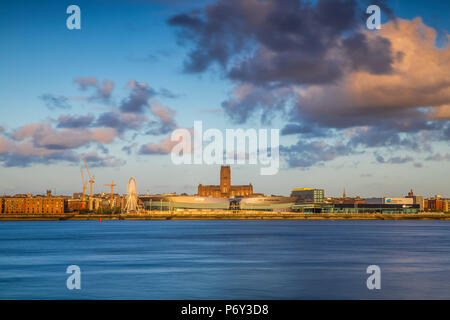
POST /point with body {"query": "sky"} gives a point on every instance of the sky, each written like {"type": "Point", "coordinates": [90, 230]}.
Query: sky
{"type": "Point", "coordinates": [365, 110]}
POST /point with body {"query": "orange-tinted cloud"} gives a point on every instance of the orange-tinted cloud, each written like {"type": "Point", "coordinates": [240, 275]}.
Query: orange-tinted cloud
{"type": "Point", "coordinates": [420, 78]}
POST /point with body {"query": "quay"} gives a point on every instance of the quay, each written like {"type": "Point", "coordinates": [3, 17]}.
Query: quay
{"type": "Point", "coordinates": [223, 215]}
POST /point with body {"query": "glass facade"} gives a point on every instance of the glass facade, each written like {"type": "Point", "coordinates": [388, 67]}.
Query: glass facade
{"type": "Point", "coordinates": [356, 208]}
{"type": "Point", "coordinates": [308, 195]}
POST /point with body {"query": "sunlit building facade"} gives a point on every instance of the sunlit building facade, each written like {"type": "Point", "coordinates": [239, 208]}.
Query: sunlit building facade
{"type": "Point", "coordinates": [225, 189]}
{"type": "Point", "coordinates": [33, 205]}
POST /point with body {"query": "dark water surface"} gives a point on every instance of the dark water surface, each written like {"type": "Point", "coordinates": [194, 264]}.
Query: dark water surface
{"type": "Point", "coordinates": [225, 259]}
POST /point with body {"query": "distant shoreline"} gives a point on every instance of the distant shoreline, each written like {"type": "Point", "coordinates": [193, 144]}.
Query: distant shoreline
{"type": "Point", "coordinates": [224, 216]}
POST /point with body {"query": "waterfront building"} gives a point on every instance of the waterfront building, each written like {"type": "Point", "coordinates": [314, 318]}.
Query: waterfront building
{"type": "Point", "coordinates": [185, 202]}
{"type": "Point", "coordinates": [355, 208]}
{"type": "Point", "coordinates": [344, 199]}
{"type": "Point", "coordinates": [269, 203]}
{"type": "Point", "coordinates": [34, 205]}
{"type": "Point", "coordinates": [74, 205]}
{"type": "Point", "coordinates": [389, 200]}
{"type": "Point", "coordinates": [182, 202]}
{"type": "Point", "coordinates": [225, 189]}
{"type": "Point", "coordinates": [373, 200]}
{"type": "Point", "coordinates": [308, 195]}
{"type": "Point", "coordinates": [416, 199]}
{"type": "Point", "coordinates": [373, 208]}
{"type": "Point", "coordinates": [437, 204]}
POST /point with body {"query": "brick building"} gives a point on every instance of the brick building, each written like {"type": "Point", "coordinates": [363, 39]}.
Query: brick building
{"type": "Point", "coordinates": [225, 189]}
{"type": "Point", "coordinates": [33, 205]}
{"type": "Point", "coordinates": [437, 204]}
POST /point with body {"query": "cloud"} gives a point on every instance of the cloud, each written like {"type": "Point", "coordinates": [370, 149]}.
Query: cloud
{"type": "Point", "coordinates": [72, 122]}
{"type": "Point", "coordinates": [41, 144]}
{"type": "Point", "coordinates": [305, 130]}
{"type": "Point", "coordinates": [441, 112]}
{"type": "Point", "coordinates": [164, 146]}
{"type": "Point", "coordinates": [23, 154]}
{"type": "Point", "coordinates": [246, 99]}
{"type": "Point", "coordinates": [138, 98]}
{"type": "Point", "coordinates": [120, 121]}
{"type": "Point", "coordinates": [103, 90]}
{"type": "Point", "coordinates": [439, 157]}
{"type": "Point", "coordinates": [416, 91]}
{"type": "Point", "coordinates": [166, 121]}
{"type": "Point", "coordinates": [151, 58]}
{"type": "Point", "coordinates": [166, 93]}
{"type": "Point", "coordinates": [316, 65]}
{"type": "Point", "coordinates": [312, 153]}
{"type": "Point", "coordinates": [366, 175]}
{"type": "Point", "coordinates": [44, 136]}
{"type": "Point", "coordinates": [413, 96]}
{"type": "Point", "coordinates": [382, 137]}
{"type": "Point", "coordinates": [58, 140]}
{"type": "Point", "coordinates": [281, 42]}
{"type": "Point", "coordinates": [400, 160]}
{"type": "Point", "coordinates": [86, 82]}
{"type": "Point", "coordinates": [128, 149]}
{"type": "Point", "coordinates": [5, 145]}
{"type": "Point", "coordinates": [74, 131]}
{"type": "Point", "coordinates": [18, 160]}
{"type": "Point", "coordinates": [55, 102]}
{"type": "Point", "coordinates": [394, 160]}
{"type": "Point", "coordinates": [95, 160]}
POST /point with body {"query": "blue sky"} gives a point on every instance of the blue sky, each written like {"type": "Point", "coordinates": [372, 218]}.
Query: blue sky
{"type": "Point", "coordinates": [121, 41]}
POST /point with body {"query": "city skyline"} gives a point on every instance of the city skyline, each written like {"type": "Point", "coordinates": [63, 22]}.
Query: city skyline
{"type": "Point", "coordinates": [364, 110]}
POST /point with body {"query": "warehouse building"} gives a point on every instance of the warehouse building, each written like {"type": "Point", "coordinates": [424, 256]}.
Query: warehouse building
{"type": "Point", "coordinates": [33, 205]}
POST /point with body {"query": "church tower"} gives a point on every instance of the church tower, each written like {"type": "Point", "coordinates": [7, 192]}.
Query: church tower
{"type": "Point", "coordinates": [225, 179]}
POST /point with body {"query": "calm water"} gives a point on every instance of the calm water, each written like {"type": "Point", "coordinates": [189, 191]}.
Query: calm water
{"type": "Point", "coordinates": [225, 259]}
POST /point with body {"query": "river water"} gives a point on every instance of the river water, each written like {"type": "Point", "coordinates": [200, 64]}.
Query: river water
{"type": "Point", "coordinates": [225, 259]}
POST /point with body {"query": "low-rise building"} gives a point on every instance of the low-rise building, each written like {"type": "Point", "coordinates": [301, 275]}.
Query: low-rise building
{"type": "Point", "coordinates": [437, 204]}
{"type": "Point", "coordinates": [356, 208]}
{"type": "Point", "coordinates": [76, 205]}
{"type": "Point", "coordinates": [33, 205]}
{"type": "Point", "coordinates": [416, 199]}
{"type": "Point", "coordinates": [308, 195]}
{"type": "Point", "coordinates": [389, 200]}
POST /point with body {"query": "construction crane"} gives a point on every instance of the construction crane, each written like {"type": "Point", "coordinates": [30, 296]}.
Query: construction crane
{"type": "Point", "coordinates": [83, 197]}
{"type": "Point", "coordinates": [91, 180]}
{"type": "Point", "coordinates": [112, 185]}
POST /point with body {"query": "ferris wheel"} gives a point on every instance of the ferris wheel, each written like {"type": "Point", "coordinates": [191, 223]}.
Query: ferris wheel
{"type": "Point", "coordinates": [132, 196]}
